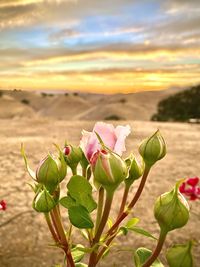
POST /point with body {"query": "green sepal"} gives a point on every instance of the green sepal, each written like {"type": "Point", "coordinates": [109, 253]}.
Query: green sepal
{"type": "Point", "coordinates": [29, 170]}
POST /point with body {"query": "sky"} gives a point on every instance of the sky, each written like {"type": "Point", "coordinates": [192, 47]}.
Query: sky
{"type": "Point", "coordinates": [100, 46]}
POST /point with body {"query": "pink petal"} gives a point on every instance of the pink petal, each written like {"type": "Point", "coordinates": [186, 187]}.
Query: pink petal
{"type": "Point", "coordinates": [89, 143]}
{"type": "Point", "coordinates": [121, 132]}
{"type": "Point", "coordinates": [107, 133]}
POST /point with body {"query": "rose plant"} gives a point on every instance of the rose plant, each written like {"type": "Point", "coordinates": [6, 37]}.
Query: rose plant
{"type": "Point", "coordinates": [97, 165]}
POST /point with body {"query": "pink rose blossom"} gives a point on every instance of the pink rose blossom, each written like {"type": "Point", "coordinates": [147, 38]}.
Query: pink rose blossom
{"type": "Point", "coordinates": [113, 138]}
{"type": "Point", "coordinates": [2, 205]}
{"type": "Point", "coordinates": [190, 188]}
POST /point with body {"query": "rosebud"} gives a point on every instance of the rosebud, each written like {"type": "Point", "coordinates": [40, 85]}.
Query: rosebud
{"type": "Point", "coordinates": [153, 149]}
{"type": "Point", "coordinates": [109, 169]}
{"type": "Point", "coordinates": [51, 171]}
{"type": "Point", "coordinates": [180, 255]}
{"type": "Point", "coordinates": [136, 169]}
{"type": "Point", "coordinates": [171, 210]}
{"type": "Point", "coordinates": [43, 201]}
{"type": "Point", "coordinates": [73, 155]}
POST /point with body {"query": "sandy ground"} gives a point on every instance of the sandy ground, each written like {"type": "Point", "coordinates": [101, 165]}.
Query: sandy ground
{"type": "Point", "coordinates": [24, 237]}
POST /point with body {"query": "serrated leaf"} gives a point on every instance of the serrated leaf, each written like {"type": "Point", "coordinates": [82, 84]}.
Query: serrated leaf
{"type": "Point", "coordinates": [77, 254]}
{"type": "Point", "coordinates": [68, 202]}
{"type": "Point", "coordinates": [142, 232]}
{"type": "Point", "coordinates": [81, 190]}
{"type": "Point", "coordinates": [80, 217]}
{"type": "Point", "coordinates": [141, 255]}
{"type": "Point", "coordinates": [29, 170]}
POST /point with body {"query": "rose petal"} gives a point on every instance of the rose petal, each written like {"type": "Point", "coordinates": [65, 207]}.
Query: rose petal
{"type": "Point", "coordinates": [193, 181]}
{"type": "Point", "coordinates": [121, 132]}
{"type": "Point", "coordinates": [107, 133]}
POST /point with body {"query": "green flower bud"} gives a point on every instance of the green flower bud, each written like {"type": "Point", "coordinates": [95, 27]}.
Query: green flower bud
{"type": "Point", "coordinates": [109, 169]}
{"type": "Point", "coordinates": [51, 171]}
{"type": "Point", "coordinates": [171, 210]}
{"type": "Point", "coordinates": [180, 255]}
{"type": "Point", "coordinates": [73, 156]}
{"type": "Point", "coordinates": [136, 169]}
{"type": "Point", "coordinates": [43, 201]}
{"type": "Point", "coordinates": [153, 149]}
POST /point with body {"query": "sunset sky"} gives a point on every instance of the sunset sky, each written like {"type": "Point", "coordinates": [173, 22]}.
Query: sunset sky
{"type": "Point", "coordinates": [99, 45]}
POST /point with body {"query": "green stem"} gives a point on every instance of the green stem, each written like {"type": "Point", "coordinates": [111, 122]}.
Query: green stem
{"type": "Point", "coordinates": [113, 230]}
{"type": "Point", "coordinates": [124, 199]}
{"type": "Point", "coordinates": [157, 250]}
{"type": "Point", "coordinates": [132, 203]}
{"type": "Point", "coordinates": [99, 207]}
{"type": "Point", "coordinates": [51, 228]}
{"type": "Point", "coordinates": [61, 233]}
{"type": "Point", "coordinates": [104, 218]}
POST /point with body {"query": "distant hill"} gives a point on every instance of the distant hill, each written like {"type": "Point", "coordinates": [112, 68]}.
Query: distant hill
{"type": "Point", "coordinates": [82, 106]}
{"type": "Point", "coordinates": [182, 106]}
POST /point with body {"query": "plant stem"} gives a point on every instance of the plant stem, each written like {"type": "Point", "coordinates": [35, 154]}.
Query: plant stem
{"type": "Point", "coordinates": [104, 218]}
{"type": "Point", "coordinates": [51, 228]}
{"type": "Point", "coordinates": [99, 207]}
{"type": "Point", "coordinates": [157, 250]}
{"type": "Point", "coordinates": [124, 199]}
{"type": "Point", "coordinates": [63, 240]}
{"type": "Point", "coordinates": [132, 203]}
{"type": "Point", "coordinates": [113, 230]}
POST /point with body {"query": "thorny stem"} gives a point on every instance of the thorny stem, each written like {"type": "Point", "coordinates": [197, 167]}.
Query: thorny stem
{"type": "Point", "coordinates": [157, 250]}
{"type": "Point", "coordinates": [113, 230]}
{"type": "Point", "coordinates": [106, 211]}
{"type": "Point", "coordinates": [99, 207]}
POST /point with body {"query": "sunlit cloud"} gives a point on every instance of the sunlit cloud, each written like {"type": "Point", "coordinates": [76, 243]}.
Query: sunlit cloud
{"type": "Point", "coordinates": [99, 46]}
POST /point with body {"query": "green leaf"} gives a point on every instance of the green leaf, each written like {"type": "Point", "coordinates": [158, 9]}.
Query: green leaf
{"type": "Point", "coordinates": [81, 190]}
{"type": "Point", "coordinates": [132, 222]}
{"type": "Point", "coordinates": [29, 170]}
{"type": "Point", "coordinates": [142, 232]}
{"type": "Point", "coordinates": [77, 254]}
{"type": "Point", "coordinates": [180, 255]}
{"type": "Point", "coordinates": [80, 217]}
{"type": "Point", "coordinates": [141, 255]}
{"type": "Point", "coordinates": [68, 202]}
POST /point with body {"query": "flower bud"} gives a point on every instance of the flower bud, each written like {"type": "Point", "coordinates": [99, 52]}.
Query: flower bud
{"type": "Point", "coordinates": [180, 255]}
{"type": "Point", "coordinates": [153, 149]}
{"type": "Point", "coordinates": [109, 169]}
{"type": "Point", "coordinates": [51, 171]}
{"type": "Point", "coordinates": [43, 201]}
{"type": "Point", "coordinates": [171, 210]}
{"type": "Point", "coordinates": [136, 169]}
{"type": "Point", "coordinates": [73, 155]}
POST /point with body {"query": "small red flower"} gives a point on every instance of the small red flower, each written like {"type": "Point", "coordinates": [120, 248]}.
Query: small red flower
{"type": "Point", "coordinates": [2, 205]}
{"type": "Point", "coordinates": [190, 188]}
